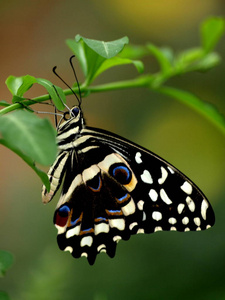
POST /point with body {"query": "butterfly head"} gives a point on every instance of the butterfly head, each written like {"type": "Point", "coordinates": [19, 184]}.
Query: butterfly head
{"type": "Point", "coordinates": [73, 118]}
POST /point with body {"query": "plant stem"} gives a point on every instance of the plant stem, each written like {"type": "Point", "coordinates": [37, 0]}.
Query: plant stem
{"type": "Point", "coordinates": [138, 82]}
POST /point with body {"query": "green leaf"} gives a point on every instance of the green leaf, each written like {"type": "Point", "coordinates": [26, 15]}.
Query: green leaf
{"type": "Point", "coordinates": [104, 49]}
{"type": "Point", "coordinates": [211, 32]}
{"type": "Point", "coordinates": [163, 56]}
{"type": "Point", "coordinates": [19, 85]}
{"type": "Point", "coordinates": [208, 62]}
{"type": "Point", "coordinates": [117, 61]}
{"type": "Point", "coordinates": [188, 57]}
{"type": "Point", "coordinates": [4, 296]}
{"type": "Point", "coordinates": [92, 54]}
{"type": "Point", "coordinates": [6, 260]}
{"type": "Point", "coordinates": [58, 97]}
{"type": "Point", "coordinates": [196, 60]}
{"type": "Point", "coordinates": [30, 135]}
{"type": "Point", "coordinates": [78, 50]}
{"type": "Point", "coordinates": [134, 52]}
{"type": "Point", "coordinates": [204, 108]}
{"type": "Point", "coordinates": [4, 103]}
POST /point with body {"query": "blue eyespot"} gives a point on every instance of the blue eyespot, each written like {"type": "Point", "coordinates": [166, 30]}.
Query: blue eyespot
{"type": "Point", "coordinates": [122, 174]}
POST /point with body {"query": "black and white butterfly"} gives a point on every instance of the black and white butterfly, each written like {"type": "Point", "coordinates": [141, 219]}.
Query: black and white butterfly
{"type": "Point", "coordinates": [113, 188]}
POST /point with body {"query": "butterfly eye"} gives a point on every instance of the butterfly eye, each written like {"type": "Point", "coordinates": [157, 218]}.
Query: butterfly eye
{"type": "Point", "coordinates": [122, 174]}
{"type": "Point", "coordinates": [62, 215]}
{"type": "Point", "coordinates": [75, 111]}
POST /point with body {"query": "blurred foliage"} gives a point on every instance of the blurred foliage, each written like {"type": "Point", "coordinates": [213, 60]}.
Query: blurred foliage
{"type": "Point", "coordinates": [160, 265]}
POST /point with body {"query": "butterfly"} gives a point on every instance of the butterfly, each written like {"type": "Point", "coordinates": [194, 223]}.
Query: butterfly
{"type": "Point", "coordinates": [113, 188]}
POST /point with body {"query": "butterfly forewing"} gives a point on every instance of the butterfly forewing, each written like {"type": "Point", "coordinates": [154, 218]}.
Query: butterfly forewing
{"type": "Point", "coordinates": [113, 188]}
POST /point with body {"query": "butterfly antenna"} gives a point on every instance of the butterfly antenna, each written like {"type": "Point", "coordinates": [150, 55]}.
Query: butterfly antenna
{"type": "Point", "coordinates": [75, 75]}
{"type": "Point", "coordinates": [54, 71]}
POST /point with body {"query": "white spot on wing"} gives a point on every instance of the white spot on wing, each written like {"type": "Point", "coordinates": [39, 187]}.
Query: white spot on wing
{"type": "Point", "coordinates": [164, 197]}
{"type": "Point", "coordinates": [138, 158]}
{"type": "Point", "coordinates": [86, 241]}
{"type": "Point", "coordinates": [172, 221]}
{"type": "Point", "coordinates": [158, 228]}
{"type": "Point", "coordinates": [180, 208]}
{"type": "Point", "coordinates": [190, 203]}
{"type": "Point", "coordinates": [156, 215]}
{"type": "Point", "coordinates": [117, 223]}
{"type": "Point", "coordinates": [129, 209]}
{"type": "Point", "coordinates": [101, 247]}
{"type": "Point", "coordinates": [171, 170]}
{"type": "Point", "coordinates": [197, 221]}
{"type": "Point", "coordinates": [73, 231]}
{"type": "Point", "coordinates": [146, 177]}
{"type": "Point", "coordinates": [84, 254]}
{"type": "Point", "coordinates": [172, 228]}
{"type": "Point", "coordinates": [117, 238]}
{"type": "Point", "coordinates": [69, 249]}
{"type": "Point", "coordinates": [101, 227]}
{"type": "Point", "coordinates": [144, 216]}
{"type": "Point", "coordinates": [164, 176]}
{"type": "Point", "coordinates": [204, 208]}
{"type": "Point", "coordinates": [132, 225]}
{"type": "Point", "coordinates": [186, 187]}
{"type": "Point", "coordinates": [140, 230]}
{"type": "Point", "coordinates": [60, 229]}
{"type": "Point", "coordinates": [185, 220]}
{"type": "Point", "coordinates": [140, 204]}
{"type": "Point", "coordinates": [153, 195]}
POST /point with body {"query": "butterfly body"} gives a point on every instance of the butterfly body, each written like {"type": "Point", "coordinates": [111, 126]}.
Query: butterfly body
{"type": "Point", "coordinates": [113, 188]}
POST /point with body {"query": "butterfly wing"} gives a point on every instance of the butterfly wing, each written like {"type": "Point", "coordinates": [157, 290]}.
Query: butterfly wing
{"type": "Point", "coordinates": [113, 188]}
{"type": "Point", "coordinates": [169, 200]}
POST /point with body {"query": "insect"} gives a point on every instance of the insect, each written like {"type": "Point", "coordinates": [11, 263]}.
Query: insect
{"type": "Point", "coordinates": [113, 188]}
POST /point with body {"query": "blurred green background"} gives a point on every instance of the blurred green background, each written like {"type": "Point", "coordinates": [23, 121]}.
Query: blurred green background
{"type": "Point", "coordinates": [166, 265]}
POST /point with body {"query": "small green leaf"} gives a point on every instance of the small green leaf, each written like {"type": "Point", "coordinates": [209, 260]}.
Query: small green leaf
{"type": "Point", "coordinates": [204, 108]}
{"type": "Point", "coordinates": [104, 49]}
{"type": "Point", "coordinates": [208, 62]}
{"type": "Point", "coordinates": [117, 61]}
{"type": "Point", "coordinates": [4, 103]}
{"type": "Point", "coordinates": [92, 54]}
{"type": "Point", "coordinates": [211, 32]}
{"type": "Point", "coordinates": [188, 57]}
{"type": "Point", "coordinates": [134, 52]}
{"type": "Point", "coordinates": [19, 85]}
{"type": "Point", "coordinates": [78, 50]}
{"type": "Point", "coordinates": [6, 260]}
{"type": "Point", "coordinates": [32, 136]}
{"type": "Point", "coordinates": [58, 97]}
{"type": "Point", "coordinates": [163, 57]}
